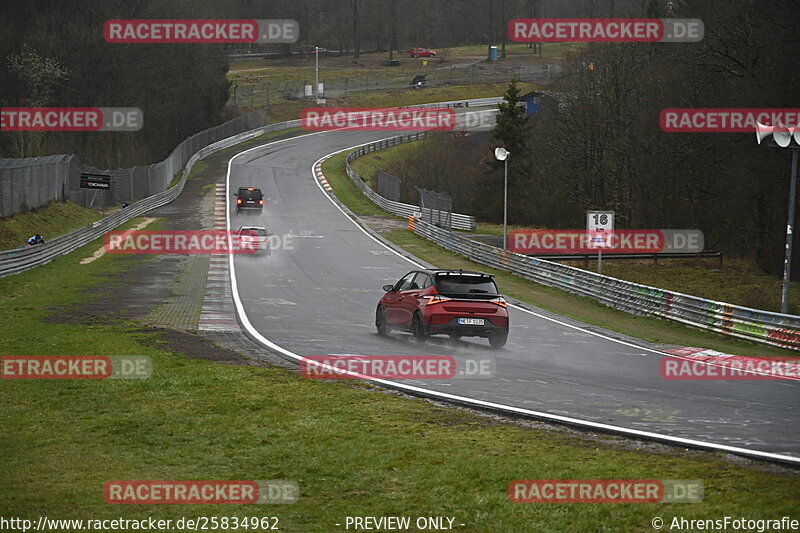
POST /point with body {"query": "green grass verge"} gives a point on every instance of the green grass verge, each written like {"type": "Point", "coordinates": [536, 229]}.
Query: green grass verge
{"type": "Point", "coordinates": [51, 220]}
{"type": "Point", "coordinates": [177, 178]}
{"type": "Point", "coordinates": [290, 110]}
{"type": "Point", "coordinates": [346, 191]}
{"type": "Point", "coordinates": [384, 159]}
{"type": "Point", "coordinates": [352, 450]}
{"type": "Point", "coordinates": [738, 281]}
{"type": "Point", "coordinates": [582, 308]}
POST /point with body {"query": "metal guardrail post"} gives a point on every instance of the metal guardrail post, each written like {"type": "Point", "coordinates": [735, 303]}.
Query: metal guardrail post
{"type": "Point", "coordinates": [761, 326]}
{"type": "Point", "coordinates": [20, 259]}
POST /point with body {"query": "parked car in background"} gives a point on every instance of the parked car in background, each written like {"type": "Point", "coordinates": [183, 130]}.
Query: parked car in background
{"type": "Point", "coordinates": [421, 52]}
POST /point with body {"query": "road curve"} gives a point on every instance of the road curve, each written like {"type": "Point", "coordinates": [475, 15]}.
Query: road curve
{"type": "Point", "coordinates": [318, 297]}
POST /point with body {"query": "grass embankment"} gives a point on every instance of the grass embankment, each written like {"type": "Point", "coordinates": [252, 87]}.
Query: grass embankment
{"type": "Point", "coordinates": [290, 110]}
{"type": "Point", "coordinates": [60, 218]}
{"type": "Point", "coordinates": [737, 281]}
{"type": "Point", "coordinates": [346, 191]}
{"type": "Point", "coordinates": [365, 166]}
{"type": "Point", "coordinates": [332, 67]}
{"type": "Point", "coordinates": [51, 220]}
{"type": "Point", "coordinates": [354, 452]}
{"type": "Point", "coordinates": [561, 302]}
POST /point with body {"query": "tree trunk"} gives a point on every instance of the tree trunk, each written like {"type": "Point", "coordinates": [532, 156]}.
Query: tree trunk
{"type": "Point", "coordinates": [356, 34]}
{"type": "Point", "coordinates": [393, 38]}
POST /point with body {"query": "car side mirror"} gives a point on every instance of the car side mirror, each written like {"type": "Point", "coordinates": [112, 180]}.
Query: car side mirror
{"type": "Point", "coordinates": [388, 288]}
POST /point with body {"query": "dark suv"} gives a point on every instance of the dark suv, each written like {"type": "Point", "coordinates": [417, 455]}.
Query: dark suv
{"type": "Point", "coordinates": [249, 198]}
{"type": "Point", "coordinates": [452, 302]}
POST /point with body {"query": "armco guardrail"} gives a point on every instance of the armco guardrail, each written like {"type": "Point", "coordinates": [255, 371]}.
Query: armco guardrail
{"type": "Point", "coordinates": [21, 259]}
{"type": "Point", "coordinates": [751, 324]}
{"type": "Point", "coordinates": [33, 181]}
{"type": "Point", "coordinates": [459, 221]}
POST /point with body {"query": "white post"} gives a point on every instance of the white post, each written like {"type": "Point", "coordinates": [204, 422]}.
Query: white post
{"type": "Point", "coordinates": [316, 72]}
{"type": "Point", "coordinates": [505, 205]}
{"type": "Point", "coordinates": [787, 262]}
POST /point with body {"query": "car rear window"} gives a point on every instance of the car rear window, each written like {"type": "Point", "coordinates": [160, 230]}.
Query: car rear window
{"type": "Point", "coordinates": [261, 232]}
{"type": "Point", "coordinates": [255, 194]}
{"type": "Point", "coordinates": [466, 286]}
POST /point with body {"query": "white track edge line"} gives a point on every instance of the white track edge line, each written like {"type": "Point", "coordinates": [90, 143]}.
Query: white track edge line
{"type": "Point", "coordinates": [462, 399]}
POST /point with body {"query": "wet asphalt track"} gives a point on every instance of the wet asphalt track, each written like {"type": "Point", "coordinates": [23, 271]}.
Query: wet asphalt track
{"type": "Point", "coordinates": [319, 297]}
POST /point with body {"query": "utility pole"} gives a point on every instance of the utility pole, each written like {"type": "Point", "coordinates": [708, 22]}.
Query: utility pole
{"type": "Point", "coordinates": [782, 136]}
{"type": "Point", "coordinates": [356, 34]}
{"type": "Point", "coordinates": [505, 29]}
{"type": "Point", "coordinates": [393, 30]}
{"type": "Point", "coordinates": [316, 72]}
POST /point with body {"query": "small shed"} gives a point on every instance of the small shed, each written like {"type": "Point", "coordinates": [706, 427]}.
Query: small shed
{"type": "Point", "coordinates": [536, 101]}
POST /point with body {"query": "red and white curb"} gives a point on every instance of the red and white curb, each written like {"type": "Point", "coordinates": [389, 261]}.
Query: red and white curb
{"type": "Point", "coordinates": [218, 312]}
{"type": "Point", "coordinates": [689, 351]}
{"type": "Point", "coordinates": [321, 177]}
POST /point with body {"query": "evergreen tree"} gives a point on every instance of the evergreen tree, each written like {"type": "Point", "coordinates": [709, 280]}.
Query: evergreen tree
{"type": "Point", "coordinates": [512, 123]}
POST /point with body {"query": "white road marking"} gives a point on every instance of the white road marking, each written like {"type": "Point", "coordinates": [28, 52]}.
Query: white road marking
{"type": "Point", "coordinates": [462, 399]}
{"type": "Point", "coordinates": [102, 251]}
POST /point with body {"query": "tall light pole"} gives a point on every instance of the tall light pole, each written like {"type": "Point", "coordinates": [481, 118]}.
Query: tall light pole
{"type": "Point", "coordinates": [783, 138]}
{"type": "Point", "coordinates": [501, 154]}
{"type": "Point", "coordinates": [316, 72]}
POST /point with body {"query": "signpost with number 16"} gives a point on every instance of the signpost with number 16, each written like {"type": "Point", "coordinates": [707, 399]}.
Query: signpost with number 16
{"type": "Point", "coordinates": [598, 223]}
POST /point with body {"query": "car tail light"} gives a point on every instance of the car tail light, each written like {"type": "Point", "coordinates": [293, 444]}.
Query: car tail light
{"type": "Point", "coordinates": [435, 299]}
{"type": "Point", "coordinates": [239, 201]}
{"type": "Point", "coordinates": [499, 301]}
{"type": "Point", "coordinates": [261, 202]}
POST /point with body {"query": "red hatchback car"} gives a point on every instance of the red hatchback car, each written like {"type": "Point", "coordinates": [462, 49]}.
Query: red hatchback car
{"type": "Point", "coordinates": [421, 52]}
{"type": "Point", "coordinates": [452, 302]}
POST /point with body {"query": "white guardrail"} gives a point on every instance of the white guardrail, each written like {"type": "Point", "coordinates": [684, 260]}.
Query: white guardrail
{"type": "Point", "coordinates": [751, 324]}
{"type": "Point", "coordinates": [21, 259]}
{"type": "Point", "coordinates": [458, 221]}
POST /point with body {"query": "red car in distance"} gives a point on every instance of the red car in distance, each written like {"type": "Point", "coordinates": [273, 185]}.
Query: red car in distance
{"type": "Point", "coordinates": [421, 52]}
{"type": "Point", "coordinates": [451, 302]}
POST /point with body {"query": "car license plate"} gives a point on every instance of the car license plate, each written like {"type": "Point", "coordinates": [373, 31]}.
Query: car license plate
{"type": "Point", "coordinates": [470, 321]}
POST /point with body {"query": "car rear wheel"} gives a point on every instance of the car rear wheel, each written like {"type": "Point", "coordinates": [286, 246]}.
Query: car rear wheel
{"type": "Point", "coordinates": [498, 340]}
{"type": "Point", "coordinates": [380, 321]}
{"type": "Point", "coordinates": [418, 329]}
